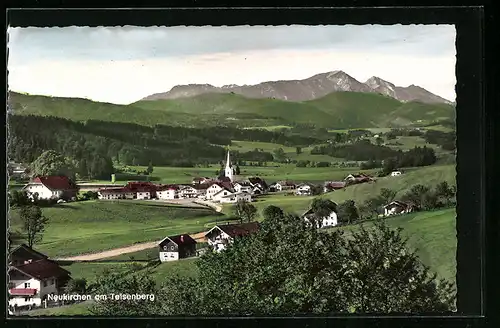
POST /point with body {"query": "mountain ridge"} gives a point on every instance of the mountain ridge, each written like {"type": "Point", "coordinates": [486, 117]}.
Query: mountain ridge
{"type": "Point", "coordinates": [311, 88]}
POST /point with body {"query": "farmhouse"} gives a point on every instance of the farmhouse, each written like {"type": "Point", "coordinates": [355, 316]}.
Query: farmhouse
{"type": "Point", "coordinates": [236, 197]}
{"type": "Point", "coordinates": [187, 192]}
{"type": "Point", "coordinates": [32, 277]}
{"type": "Point", "coordinates": [176, 247]}
{"type": "Point", "coordinates": [259, 186]}
{"type": "Point", "coordinates": [397, 207]}
{"type": "Point", "coordinates": [219, 237]}
{"type": "Point", "coordinates": [333, 185]}
{"type": "Point", "coordinates": [304, 189]}
{"type": "Point", "coordinates": [243, 186]}
{"type": "Point", "coordinates": [201, 190]}
{"type": "Point", "coordinates": [167, 192]}
{"type": "Point", "coordinates": [395, 173]}
{"type": "Point", "coordinates": [358, 178]}
{"type": "Point", "coordinates": [282, 186]}
{"type": "Point", "coordinates": [327, 221]}
{"type": "Point", "coordinates": [51, 187]}
{"type": "Point", "coordinates": [116, 193]}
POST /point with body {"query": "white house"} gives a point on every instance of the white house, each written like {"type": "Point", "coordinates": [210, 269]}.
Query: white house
{"type": "Point", "coordinates": [144, 194]}
{"type": "Point", "coordinates": [304, 189]}
{"type": "Point", "coordinates": [176, 247]}
{"type": "Point", "coordinates": [187, 192]}
{"type": "Point", "coordinates": [243, 187]}
{"type": "Point", "coordinates": [328, 221]}
{"type": "Point", "coordinates": [236, 197]}
{"type": "Point", "coordinates": [222, 193]}
{"type": "Point", "coordinates": [167, 192]}
{"type": "Point", "coordinates": [213, 189]}
{"type": "Point", "coordinates": [395, 173]}
{"type": "Point", "coordinates": [115, 193]}
{"type": "Point", "coordinates": [219, 237]}
{"type": "Point", "coordinates": [397, 207]}
{"type": "Point", "coordinates": [51, 187]}
{"type": "Point", "coordinates": [32, 277]}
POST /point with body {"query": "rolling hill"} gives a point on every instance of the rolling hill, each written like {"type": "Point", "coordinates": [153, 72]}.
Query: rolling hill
{"type": "Point", "coordinates": [337, 110]}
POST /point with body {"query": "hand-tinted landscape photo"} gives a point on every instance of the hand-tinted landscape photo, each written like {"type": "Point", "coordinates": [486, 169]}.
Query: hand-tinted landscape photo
{"type": "Point", "coordinates": [231, 171]}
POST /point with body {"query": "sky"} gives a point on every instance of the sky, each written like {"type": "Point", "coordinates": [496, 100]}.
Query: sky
{"type": "Point", "coordinates": [122, 65]}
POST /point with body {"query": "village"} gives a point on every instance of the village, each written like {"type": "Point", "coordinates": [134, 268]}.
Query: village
{"type": "Point", "coordinates": [35, 278]}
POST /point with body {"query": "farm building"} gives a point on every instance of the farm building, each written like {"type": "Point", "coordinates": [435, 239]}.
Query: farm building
{"type": "Point", "coordinates": [222, 235]}
{"type": "Point", "coordinates": [176, 247]}
{"type": "Point", "coordinates": [51, 187]}
{"type": "Point", "coordinates": [397, 207]}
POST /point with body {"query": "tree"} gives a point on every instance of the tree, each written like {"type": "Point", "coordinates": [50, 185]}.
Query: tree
{"type": "Point", "coordinates": [18, 198]}
{"type": "Point", "coordinates": [279, 155]}
{"type": "Point", "coordinates": [245, 211]}
{"type": "Point", "coordinates": [298, 150]}
{"type": "Point", "coordinates": [444, 191]}
{"type": "Point", "coordinates": [387, 195]}
{"type": "Point", "coordinates": [316, 190]}
{"type": "Point", "coordinates": [416, 195]}
{"type": "Point", "coordinates": [272, 213]}
{"type": "Point", "coordinates": [76, 286]}
{"type": "Point", "coordinates": [150, 168]}
{"type": "Point", "coordinates": [237, 170]}
{"type": "Point", "coordinates": [390, 164]}
{"type": "Point", "coordinates": [119, 284]}
{"type": "Point", "coordinates": [347, 212]}
{"type": "Point", "coordinates": [289, 268]}
{"type": "Point", "coordinates": [33, 223]}
{"type": "Point", "coordinates": [53, 163]}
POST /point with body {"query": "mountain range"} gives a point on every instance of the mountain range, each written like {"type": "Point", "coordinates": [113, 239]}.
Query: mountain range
{"type": "Point", "coordinates": [312, 88]}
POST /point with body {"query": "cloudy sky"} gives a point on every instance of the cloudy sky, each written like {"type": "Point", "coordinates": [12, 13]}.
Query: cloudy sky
{"type": "Point", "coordinates": [124, 64]}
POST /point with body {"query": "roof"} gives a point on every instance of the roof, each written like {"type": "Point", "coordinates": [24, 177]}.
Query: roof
{"type": "Point", "coordinates": [201, 186]}
{"type": "Point", "coordinates": [310, 211]}
{"type": "Point", "coordinates": [42, 269]}
{"type": "Point", "coordinates": [53, 182]}
{"type": "Point", "coordinates": [286, 183]}
{"type": "Point", "coordinates": [255, 180]}
{"type": "Point", "coordinates": [109, 190]}
{"type": "Point", "coordinates": [244, 183]}
{"type": "Point", "coordinates": [241, 229]}
{"type": "Point", "coordinates": [224, 185]}
{"type": "Point", "coordinates": [179, 240]}
{"type": "Point", "coordinates": [22, 291]}
{"type": "Point", "coordinates": [241, 193]}
{"type": "Point", "coordinates": [167, 187]}
{"type": "Point", "coordinates": [399, 203]}
{"type": "Point", "coordinates": [224, 179]}
{"type": "Point", "coordinates": [335, 184]}
{"type": "Point", "coordinates": [26, 249]}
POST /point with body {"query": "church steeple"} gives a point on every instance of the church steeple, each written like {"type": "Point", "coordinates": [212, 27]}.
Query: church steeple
{"type": "Point", "coordinates": [228, 171]}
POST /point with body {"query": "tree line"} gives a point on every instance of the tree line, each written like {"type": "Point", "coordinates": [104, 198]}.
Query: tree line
{"type": "Point", "coordinates": [375, 155]}
{"type": "Point", "coordinates": [94, 146]}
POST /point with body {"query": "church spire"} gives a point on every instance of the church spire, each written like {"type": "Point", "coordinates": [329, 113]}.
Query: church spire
{"type": "Point", "coordinates": [228, 171]}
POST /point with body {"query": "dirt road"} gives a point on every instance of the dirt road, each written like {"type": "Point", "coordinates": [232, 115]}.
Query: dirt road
{"type": "Point", "coordinates": [123, 250]}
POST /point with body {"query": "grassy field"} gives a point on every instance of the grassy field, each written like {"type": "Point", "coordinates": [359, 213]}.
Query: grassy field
{"type": "Point", "coordinates": [433, 235]}
{"type": "Point", "coordinates": [92, 226]}
{"type": "Point", "coordinates": [429, 176]}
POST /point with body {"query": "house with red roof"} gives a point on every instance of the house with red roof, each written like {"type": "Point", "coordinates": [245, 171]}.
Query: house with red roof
{"type": "Point", "coordinates": [220, 236]}
{"type": "Point", "coordinates": [33, 277]}
{"type": "Point", "coordinates": [177, 247]}
{"type": "Point", "coordinates": [51, 187]}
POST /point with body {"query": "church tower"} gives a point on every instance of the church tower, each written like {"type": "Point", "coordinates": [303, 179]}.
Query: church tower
{"type": "Point", "coordinates": [228, 171]}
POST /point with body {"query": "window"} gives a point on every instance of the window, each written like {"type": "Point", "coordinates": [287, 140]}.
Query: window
{"type": "Point", "coordinates": [27, 299]}
{"type": "Point", "coordinates": [45, 283]}
{"type": "Point", "coordinates": [172, 247]}
{"type": "Point", "coordinates": [26, 285]}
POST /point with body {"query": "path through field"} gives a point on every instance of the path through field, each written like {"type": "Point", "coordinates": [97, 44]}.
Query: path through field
{"type": "Point", "coordinates": [123, 250]}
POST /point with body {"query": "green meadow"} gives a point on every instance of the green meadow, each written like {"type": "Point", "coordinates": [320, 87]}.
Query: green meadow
{"type": "Point", "coordinates": [92, 226]}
